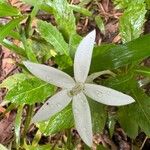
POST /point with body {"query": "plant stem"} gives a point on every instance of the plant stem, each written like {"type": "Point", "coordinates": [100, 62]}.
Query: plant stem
{"type": "Point", "coordinates": [68, 144]}
{"type": "Point", "coordinates": [9, 108]}
{"type": "Point", "coordinates": [143, 142]}
{"type": "Point", "coordinates": [37, 138]}
{"type": "Point", "coordinates": [27, 123]}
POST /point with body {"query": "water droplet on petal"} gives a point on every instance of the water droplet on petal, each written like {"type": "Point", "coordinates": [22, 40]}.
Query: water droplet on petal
{"type": "Point", "coordinates": [99, 93]}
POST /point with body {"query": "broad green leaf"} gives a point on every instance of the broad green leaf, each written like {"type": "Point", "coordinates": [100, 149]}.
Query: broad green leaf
{"type": "Point", "coordinates": [5, 30]}
{"type": "Point", "coordinates": [122, 82]}
{"type": "Point", "coordinates": [81, 10]}
{"type": "Point", "coordinates": [136, 115]}
{"type": "Point", "coordinates": [8, 10]}
{"type": "Point", "coordinates": [53, 36]}
{"type": "Point", "coordinates": [98, 114]}
{"type": "Point", "coordinates": [2, 147]}
{"type": "Point", "coordinates": [30, 91]}
{"type": "Point", "coordinates": [42, 49]}
{"type": "Point", "coordinates": [61, 121]}
{"type": "Point", "coordinates": [63, 61]}
{"type": "Point", "coordinates": [131, 22]}
{"type": "Point", "coordinates": [64, 17]}
{"type": "Point", "coordinates": [100, 24]}
{"type": "Point", "coordinates": [13, 81]}
{"type": "Point", "coordinates": [114, 56]}
{"type": "Point", "coordinates": [125, 117]}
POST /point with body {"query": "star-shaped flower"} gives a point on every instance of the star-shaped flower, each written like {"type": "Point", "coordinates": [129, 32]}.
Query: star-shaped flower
{"type": "Point", "coordinates": [76, 89]}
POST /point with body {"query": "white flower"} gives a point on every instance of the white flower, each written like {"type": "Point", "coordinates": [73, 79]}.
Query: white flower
{"type": "Point", "coordinates": [76, 90]}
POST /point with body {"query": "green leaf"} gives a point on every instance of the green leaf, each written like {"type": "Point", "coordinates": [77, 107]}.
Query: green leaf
{"type": "Point", "coordinates": [100, 147]}
{"type": "Point", "coordinates": [13, 81]}
{"type": "Point", "coordinates": [41, 5]}
{"type": "Point", "coordinates": [127, 122]}
{"type": "Point", "coordinates": [142, 70]}
{"type": "Point", "coordinates": [43, 147]}
{"type": "Point", "coordinates": [29, 91]}
{"type": "Point", "coordinates": [122, 82]}
{"type": "Point", "coordinates": [148, 4]}
{"type": "Point", "coordinates": [61, 121]}
{"type": "Point", "coordinates": [131, 22]}
{"type": "Point", "coordinates": [32, 2]}
{"type": "Point", "coordinates": [62, 12]}
{"type": "Point", "coordinates": [8, 10]}
{"type": "Point", "coordinates": [53, 36]}
{"type": "Point", "coordinates": [73, 43]}
{"type": "Point", "coordinates": [5, 30]}
{"type": "Point", "coordinates": [84, 2]}
{"type": "Point", "coordinates": [63, 61]}
{"type": "Point", "coordinates": [2, 147]}
{"type": "Point", "coordinates": [114, 56]}
{"type": "Point", "coordinates": [29, 51]}
{"type": "Point", "coordinates": [136, 115]}
{"type": "Point", "coordinates": [42, 49]}
{"type": "Point", "coordinates": [98, 114]}
{"type": "Point", "coordinates": [64, 17]}
{"type": "Point", "coordinates": [100, 24]}
{"type": "Point", "coordinates": [16, 49]}
{"type": "Point", "coordinates": [81, 10]}
{"type": "Point", "coordinates": [12, 34]}
{"type": "Point", "coordinates": [122, 4]}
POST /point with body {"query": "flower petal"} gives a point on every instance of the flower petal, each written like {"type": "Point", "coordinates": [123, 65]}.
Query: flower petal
{"type": "Point", "coordinates": [95, 75]}
{"type": "Point", "coordinates": [106, 95]}
{"type": "Point", "coordinates": [83, 57]}
{"type": "Point", "coordinates": [50, 75]}
{"type": "Point", "coordinates": [53, 105]}
{"type": "Point", "coordinates": [82, 118]}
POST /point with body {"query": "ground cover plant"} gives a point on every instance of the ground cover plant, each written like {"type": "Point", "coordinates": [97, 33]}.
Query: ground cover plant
{"type": "Point", "coordinates": [80, 77]}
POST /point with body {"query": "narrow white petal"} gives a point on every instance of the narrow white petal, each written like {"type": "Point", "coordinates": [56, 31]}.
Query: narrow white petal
{"type": "Point", "coordinates": [50, 75]}
{"type": "Point", "coordinates": [95, 75]}
{"type": "Point", "coordinates": [53, 105]}
{"type": "Point", "coordinates": [83, 57]}
{"type": "Point", "coordinates": [106, 95]}
{"type": "Point", "coordinates": [82, 118]}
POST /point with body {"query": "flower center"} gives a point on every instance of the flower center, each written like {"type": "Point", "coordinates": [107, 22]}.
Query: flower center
{"type": "Point", "coordinates": [76, 89]}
